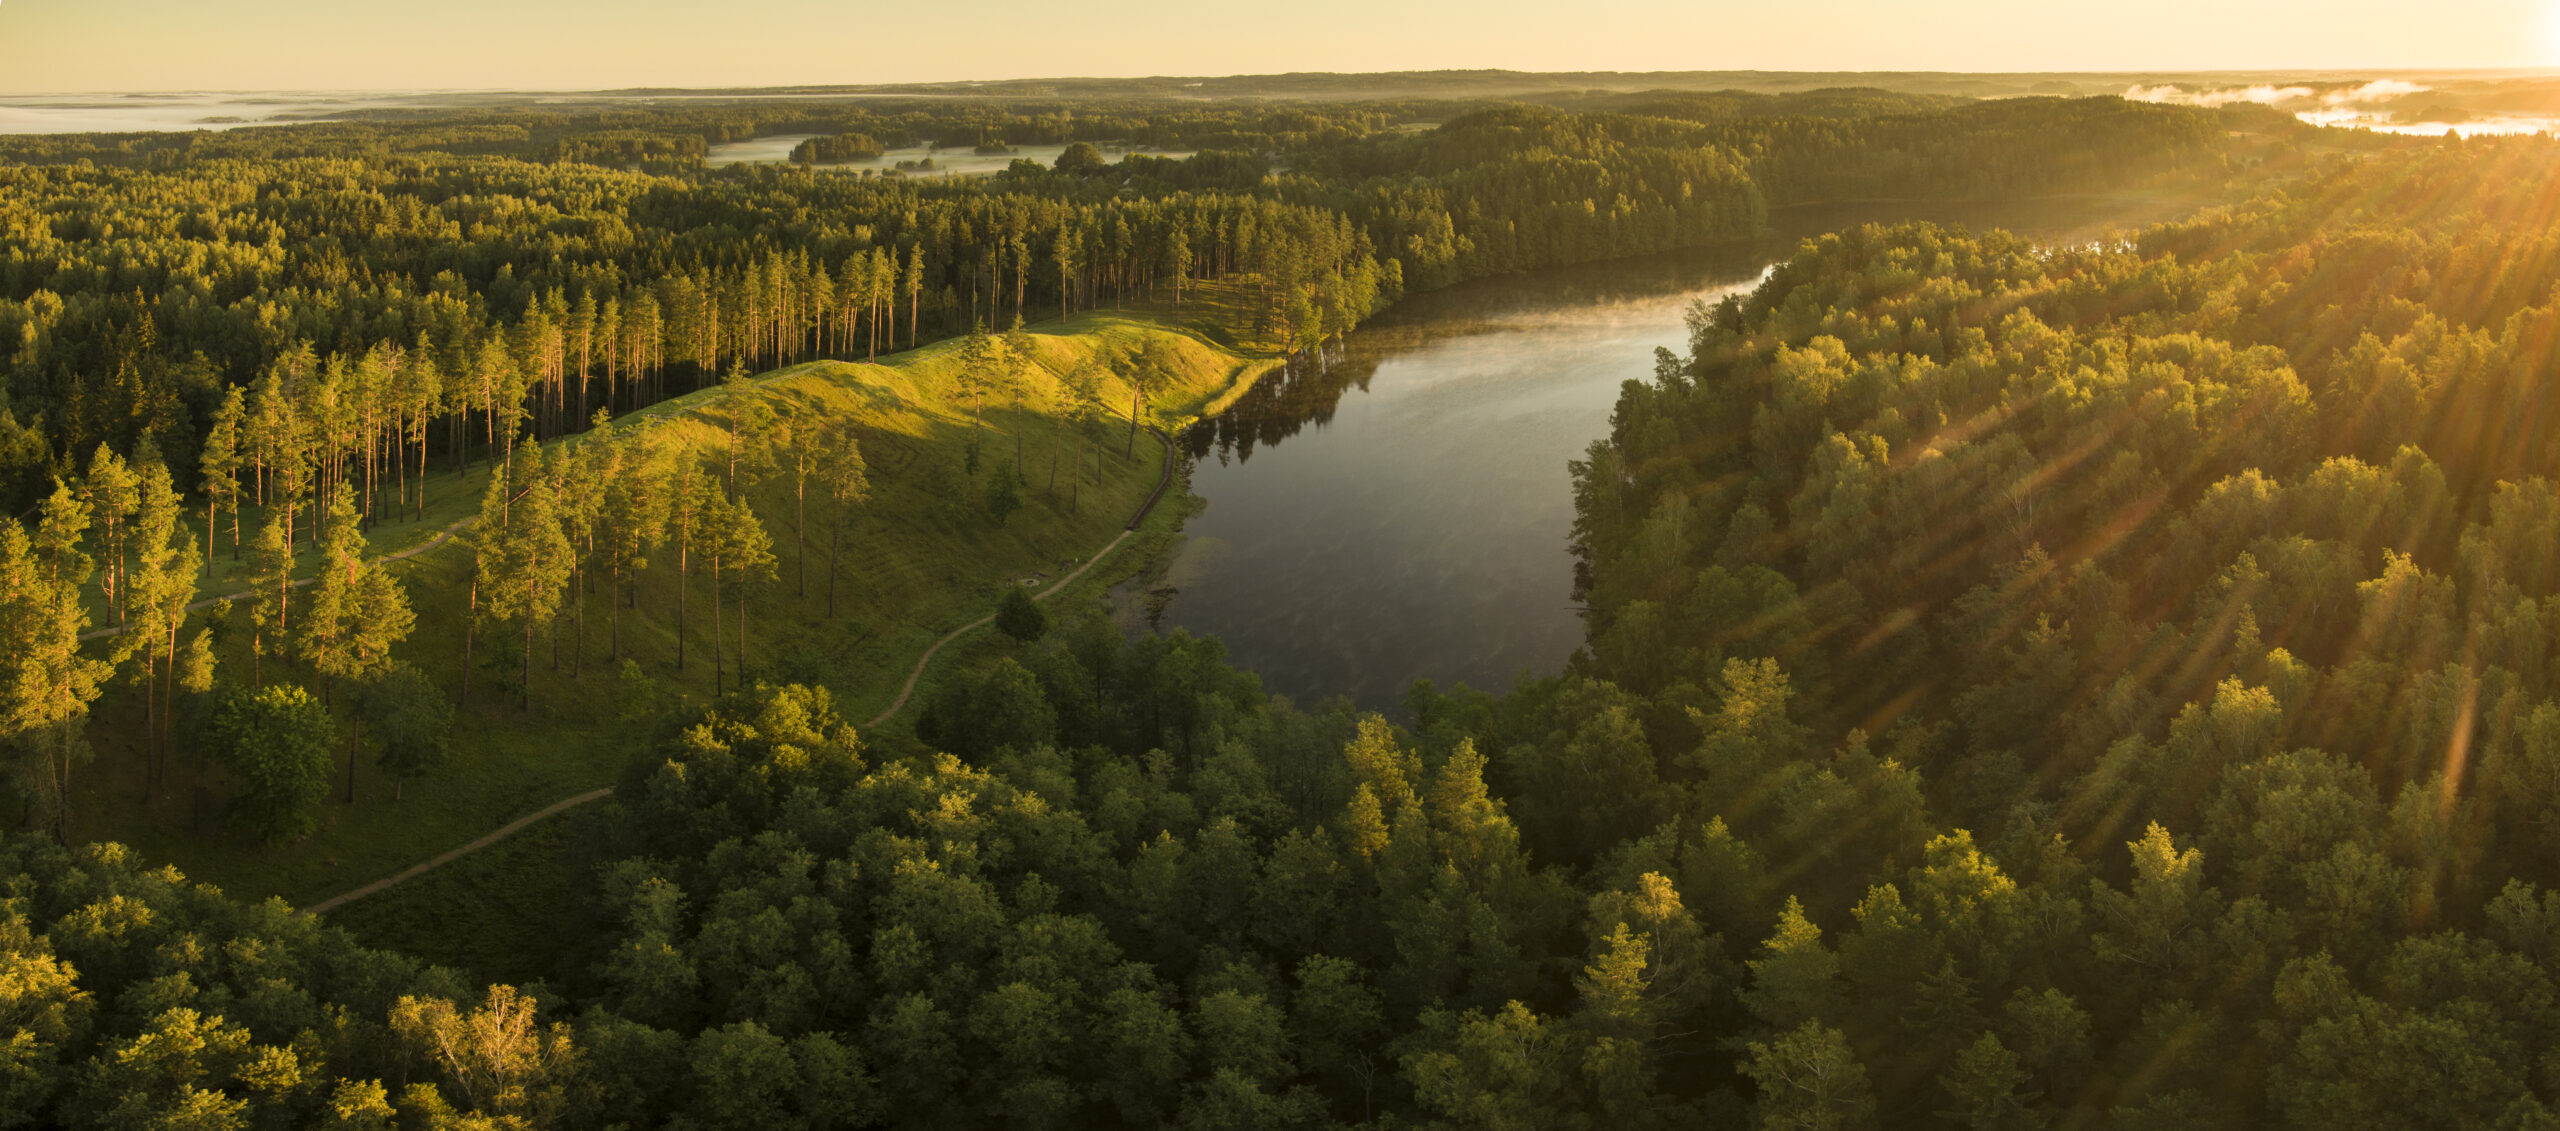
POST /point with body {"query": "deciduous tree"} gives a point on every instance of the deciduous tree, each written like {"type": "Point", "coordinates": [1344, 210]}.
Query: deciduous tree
{"type": "Point", "coordinates": [275, 741]}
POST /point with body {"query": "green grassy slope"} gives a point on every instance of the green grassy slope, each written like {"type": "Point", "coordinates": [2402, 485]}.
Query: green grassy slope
{"type": "Point", "coordinates": [916, 563]}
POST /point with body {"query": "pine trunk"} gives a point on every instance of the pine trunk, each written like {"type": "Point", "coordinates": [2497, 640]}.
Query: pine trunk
{"type": "Point", "coordinates": [524, 692]}
{"type": "Point", "coordinates": [149, 719]}
{"type": "Point", "coordinates": [470, 625]}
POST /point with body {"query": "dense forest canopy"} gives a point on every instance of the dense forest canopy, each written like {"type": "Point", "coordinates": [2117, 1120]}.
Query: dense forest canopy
{"type": "Point", "coordinates": [2198, 580]}
{"type": "Point", "coordinates": [143, 275]}
{"type": "Point", "coordinates": [2103, 685]}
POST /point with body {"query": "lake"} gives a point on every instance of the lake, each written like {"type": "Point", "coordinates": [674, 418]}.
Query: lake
{"type": "Point", "coordinates": [1403, 514]}
{"type": "Point", "coordinates": [774, 149]}
{"type": "Point", "coordinates": [149, 113]}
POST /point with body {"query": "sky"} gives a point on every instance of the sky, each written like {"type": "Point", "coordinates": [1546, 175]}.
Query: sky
{"type": "Point", "coordinates": [176, 45]}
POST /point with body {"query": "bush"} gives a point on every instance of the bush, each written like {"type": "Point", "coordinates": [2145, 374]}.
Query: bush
{"type": "Point", "coordinates": [1020, 617]}
{"type": "Point", "coordinates": [275, 741]}
{"type": "Point", "coordinates": [411, 717]}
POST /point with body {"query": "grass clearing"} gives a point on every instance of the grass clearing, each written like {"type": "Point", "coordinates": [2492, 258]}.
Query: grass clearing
{"type": "Point", "coordinates": [923, 557]}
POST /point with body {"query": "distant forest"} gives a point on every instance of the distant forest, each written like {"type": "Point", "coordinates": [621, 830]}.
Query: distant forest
{"type": "Point", "coordinates": [2025, 686]}
{"type": "Point", "coordinates": [140, 275]}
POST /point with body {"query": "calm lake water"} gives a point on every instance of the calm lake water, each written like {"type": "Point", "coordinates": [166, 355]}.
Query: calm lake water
{"type": "Point", "coordinates": [144, 113]}
{"type": "Point", "coordinates": [1404, 515]}
{"type": "Point", "coordinates": [774, 149]}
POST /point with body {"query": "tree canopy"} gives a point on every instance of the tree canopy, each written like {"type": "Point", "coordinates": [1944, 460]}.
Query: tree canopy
{"type": "Point", "coordinates": [2024, 685]}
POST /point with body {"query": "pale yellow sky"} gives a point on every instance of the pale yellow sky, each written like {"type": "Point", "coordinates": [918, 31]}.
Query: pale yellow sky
{"type": "Point", "coordinates": [158, 45]}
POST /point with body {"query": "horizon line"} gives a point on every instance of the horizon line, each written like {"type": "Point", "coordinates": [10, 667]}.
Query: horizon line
{"type": "Point", "coordinates": [861, 89]}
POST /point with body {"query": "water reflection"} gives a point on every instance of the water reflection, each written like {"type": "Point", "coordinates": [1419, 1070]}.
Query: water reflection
{"type": "Point", "coordinates": [1538, 314]}
{"type": "Point", "coordinates": [1402, 512]}
{"type": "Point", "coordinates": [775, 149]}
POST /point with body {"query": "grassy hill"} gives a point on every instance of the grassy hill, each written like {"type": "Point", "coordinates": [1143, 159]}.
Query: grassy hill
{"type": "Point", "coordinates": [923, 557]}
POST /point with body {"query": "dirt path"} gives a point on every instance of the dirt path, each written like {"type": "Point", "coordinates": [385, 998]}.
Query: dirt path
{"type": "Point", "coordinates": [926, 660]}
{"type": "Point", "coordinates": [511, 828]}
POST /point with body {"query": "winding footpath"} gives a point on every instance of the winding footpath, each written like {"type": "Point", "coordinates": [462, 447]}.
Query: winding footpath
{"type": "Point", "coordinates": [926, 660]}
{"type": "Point", "coordinates": [1164, 479]}
{"type": "Point", "coordinates": [509, 829]}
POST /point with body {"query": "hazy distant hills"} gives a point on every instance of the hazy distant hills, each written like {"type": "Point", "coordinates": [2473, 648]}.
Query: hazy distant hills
{"type": "Point", "coordinates": [1517, 84]}
{"type": "Point", "coordinates": [2407, 101]}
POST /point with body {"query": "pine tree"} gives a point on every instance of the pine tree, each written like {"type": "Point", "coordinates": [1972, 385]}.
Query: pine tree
{"type": "Point", "coordinates": [915, 291]}
{"type": "Point", "coordinates": [422, 394]}
{"type": "Point", "coordinates": [1020, 358]}
{"type": "Point", "coordinates": [524, 562]}
{"type": "Point", "coordinates": [218, 467]}
{"type": "Point", "coordinates": [327, 617]}
{"type": "Point", "coordinates": [271, 579]}
{"type": "Point", "coordinates": [358, 614]}
{"type": "Point", "coordinates": [164, 583]}
{"type": "Point", "coordinates": [1084, 400]}
{"type": "Point", "coordinates": [577, 483]}
{"type": "Point", "coordinates": [1069, 259]}
{"type": "Point", "coordinates": [293, 476]}
{"type": "Point", "coordinates": [981, 365]}
{"type": "Point", "coordinates": [689, 505]}
{"type": "Point", "coordinates": [274, 433]}
{"type": "Point", "coordinates": [112, 493]}
{"type": "Point", "coordinates": [1146, 365]}
{"type": "Point", "coordinates": [193, 672]}
{"type": "Point", "coordinates": [634, 518]}
{"type": "Point", "coordinates": [491, 525]}
{"type": "Point", "coordinates": [749, 421]}
{"type": "Point", "coordinates": [848, 485]}
{"type": "Point", "coordinates": [57, 683]}
{"type": "Point", "coordinates": [746, 553]}
{"type": "Point", "coordinates": [806, 438]}
{"type": "Point", "coordinates": [174, 598]}
{"type": "Point", "coordinates": [499, 387]}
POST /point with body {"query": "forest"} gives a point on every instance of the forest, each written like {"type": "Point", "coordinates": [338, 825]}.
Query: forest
{"type": "Point", "coordinates": [2025, 686]}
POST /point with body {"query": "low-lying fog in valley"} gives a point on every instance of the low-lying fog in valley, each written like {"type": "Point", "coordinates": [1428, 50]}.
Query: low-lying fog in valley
{"type": "Point", "coordinates": [2466, 103]}
{"type": "Point", "coordinates": [2460, 105]}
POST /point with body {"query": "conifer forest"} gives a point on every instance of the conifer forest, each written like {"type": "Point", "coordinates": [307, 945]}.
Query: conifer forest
{"type": "Point", "coordinates": [621, 611]}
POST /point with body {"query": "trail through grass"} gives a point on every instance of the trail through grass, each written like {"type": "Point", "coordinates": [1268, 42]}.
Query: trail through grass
{"type": "Point", "coordinates": [922, 558]}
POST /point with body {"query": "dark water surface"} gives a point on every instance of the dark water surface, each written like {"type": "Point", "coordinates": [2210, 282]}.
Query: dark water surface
{"type": "Point", "coordinates": [1405, 514]}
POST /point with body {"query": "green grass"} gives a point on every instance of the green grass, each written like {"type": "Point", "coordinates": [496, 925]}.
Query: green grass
{"type": "Point", "coordinates": [915, 565]}
{"type": "Point", "coordinates": [503, 914]}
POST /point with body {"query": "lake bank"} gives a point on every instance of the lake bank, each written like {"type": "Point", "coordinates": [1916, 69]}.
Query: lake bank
{"type": "Point", "coordinates": [1403, 511]}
